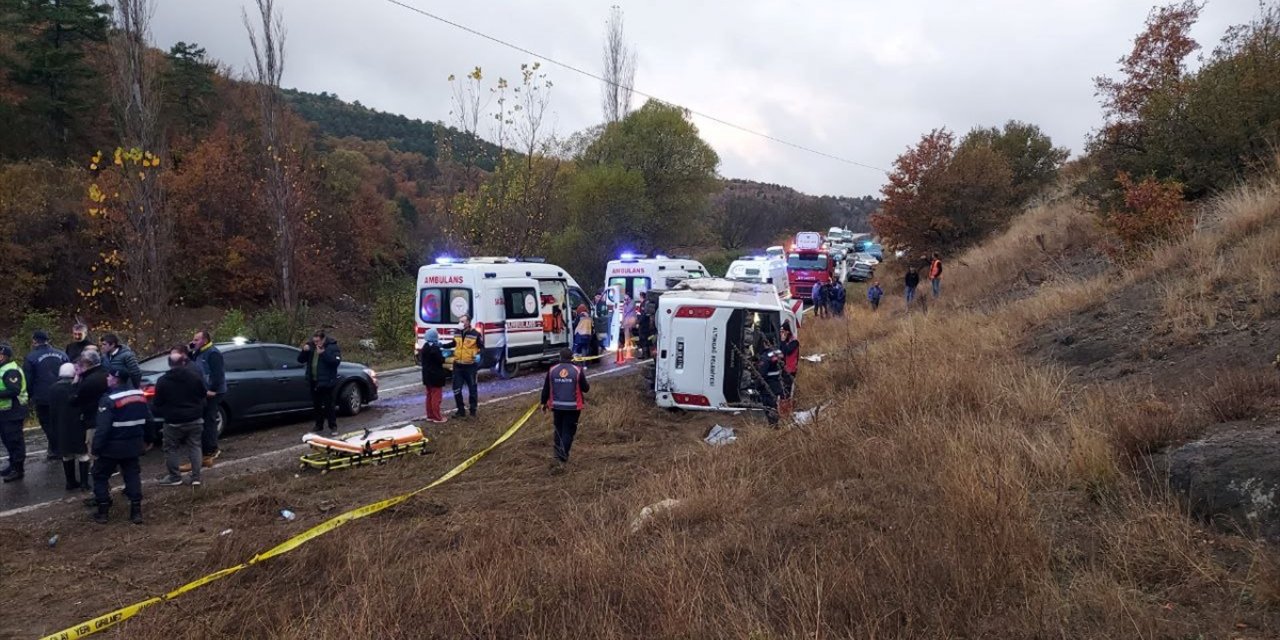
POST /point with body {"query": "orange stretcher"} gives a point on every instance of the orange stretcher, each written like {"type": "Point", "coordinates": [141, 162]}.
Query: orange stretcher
{"type": "Point", "coordinates": [362, 447]}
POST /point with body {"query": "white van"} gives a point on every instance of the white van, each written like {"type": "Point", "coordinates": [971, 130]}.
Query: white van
{"type": "Point", "coordinates": [708, 332]}
{"type": "Point", "coordinates": [524, 309]}
{"type": "Point", "coordinates": [761, 269]}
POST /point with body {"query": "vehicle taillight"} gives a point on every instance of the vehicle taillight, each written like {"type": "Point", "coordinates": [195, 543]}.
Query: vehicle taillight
{"type": "Point", "coordinates": [149, 392]}
{"type": "Point", "coordinates": [691, 399]}
{"type": "Point", "coordinates": [695, 312]}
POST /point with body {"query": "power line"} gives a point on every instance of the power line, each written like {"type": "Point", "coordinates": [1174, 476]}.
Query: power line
{"type": "Point", "coordinates": [593, 76]}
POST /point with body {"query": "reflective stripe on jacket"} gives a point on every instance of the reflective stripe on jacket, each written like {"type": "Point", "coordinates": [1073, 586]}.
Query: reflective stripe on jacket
{"type": "Point", "coordinates": [7, 403]}
{"type": "Point", "coordinates": [566, 390]}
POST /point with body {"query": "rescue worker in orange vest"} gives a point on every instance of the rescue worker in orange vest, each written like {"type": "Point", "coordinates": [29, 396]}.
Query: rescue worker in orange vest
{"type": "Point", "coordinates": [562, 392]}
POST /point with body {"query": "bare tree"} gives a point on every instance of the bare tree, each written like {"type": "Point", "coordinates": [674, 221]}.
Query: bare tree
{"type": "Point", "coordinates": [136, 102]}
{"type": "Point", "coordinates": [619, 69]}
{"type": "Point", "coordinates": [279, 197]}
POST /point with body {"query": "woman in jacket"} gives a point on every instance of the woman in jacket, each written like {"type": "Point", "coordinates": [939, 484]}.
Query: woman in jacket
{"type": "Point", "coordinates": [434, 375]}
{"type": "Point", "coordinates": [64, 415]}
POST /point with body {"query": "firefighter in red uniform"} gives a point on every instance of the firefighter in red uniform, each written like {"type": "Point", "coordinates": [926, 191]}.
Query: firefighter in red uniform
{"type": "Point", "coordinates": [562, 392]}
{"type": "Point", "coordinates": [790, 348]}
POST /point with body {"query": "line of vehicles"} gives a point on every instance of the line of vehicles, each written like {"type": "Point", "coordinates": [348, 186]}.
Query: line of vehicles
{"type": "Point", "coordinates": [706, 328]}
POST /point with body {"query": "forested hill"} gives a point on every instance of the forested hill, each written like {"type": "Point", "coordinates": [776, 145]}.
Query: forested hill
{"type": "Point", "coordinates": [753, 213]}
{"type": "Point", "coordinates": [340, 119]}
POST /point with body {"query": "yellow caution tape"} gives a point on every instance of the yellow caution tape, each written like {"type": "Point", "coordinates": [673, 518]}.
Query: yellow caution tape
{"type": "Point", "coordinates": [113, 618]}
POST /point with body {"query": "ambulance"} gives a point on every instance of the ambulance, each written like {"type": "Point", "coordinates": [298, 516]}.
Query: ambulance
{"type": "Point", "coordinates": [523, 308]}
{"type": "Point", "coordinates": [770, 271]}
{"type": "Point", "coordinates": [632, 275]}
{"type": "Point", "coordinates": [709, 331]}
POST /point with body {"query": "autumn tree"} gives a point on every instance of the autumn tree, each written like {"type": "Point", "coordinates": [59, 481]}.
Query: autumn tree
{"type": "Point", "coordinates": [942, 196]}
{"type": "Point", "coordinates": [1029, 152]}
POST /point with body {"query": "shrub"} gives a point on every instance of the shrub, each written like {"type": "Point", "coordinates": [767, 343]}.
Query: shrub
{"type": "Point", "coordinates": [393, 323]}
{"type": "Point", "coordinates": [233, 324]}
{"type": "Point", "coordinates": [46, 320]}
{"type": "Point", "coordinates": [277, 324]}
{"type": "Point", "coordinates": [1152, 211]}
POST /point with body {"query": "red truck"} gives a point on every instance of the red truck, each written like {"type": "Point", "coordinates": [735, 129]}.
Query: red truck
{"type": "Point", "coordinates": [808, 262]}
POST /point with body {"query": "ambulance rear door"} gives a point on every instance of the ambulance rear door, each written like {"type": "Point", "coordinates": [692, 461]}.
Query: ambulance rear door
{"type": "Point", "coordinates": [522, 319]}
{"type": "Point", "coordinates": [554, 298]}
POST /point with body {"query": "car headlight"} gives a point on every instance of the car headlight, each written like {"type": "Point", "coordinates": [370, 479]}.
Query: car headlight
{"type": "Point", "coordinates": [373, 375]}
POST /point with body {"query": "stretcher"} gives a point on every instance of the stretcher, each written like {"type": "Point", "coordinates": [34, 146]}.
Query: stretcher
{"type": "Point", "coordinates": [362, 447]}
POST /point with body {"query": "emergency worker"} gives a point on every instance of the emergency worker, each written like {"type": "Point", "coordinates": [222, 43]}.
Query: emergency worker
{"type": "Point", "coordinates": [769, 366]}
{"type": "Point", "coordinates": [644, 326]}
{"type": "Point", "coordinates": [582, 332]}
{"type": "Point", "coordinates": [41, 369]}
{"type": "Point", "coordinates": [13, 412]}
{"type": "Point", "coordinates": [468, 345]}
{"type": "Point", "coordinates": [563, 393]}
{"type": "Point", "coordinates": [790, 348]}
{"type": "Point", "coordinates": [818, 295]}
{"type": "Point", "coordinates": [118, 443]}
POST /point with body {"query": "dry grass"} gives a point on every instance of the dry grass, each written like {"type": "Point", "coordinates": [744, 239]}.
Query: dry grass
{"type": "Point", "coordinates": [950, 488]}
{"type": "Point", "coordinates": [1239, 394]}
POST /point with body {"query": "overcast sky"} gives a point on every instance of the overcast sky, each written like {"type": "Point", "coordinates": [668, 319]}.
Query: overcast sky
{"type": "Point", "coordinates": [859, 79]}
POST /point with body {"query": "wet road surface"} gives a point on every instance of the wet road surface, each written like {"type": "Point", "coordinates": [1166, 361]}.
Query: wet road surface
{"type": "Point", "coordinates": [269, 443]}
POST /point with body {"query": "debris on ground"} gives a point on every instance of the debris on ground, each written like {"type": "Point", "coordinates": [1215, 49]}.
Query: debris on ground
{"type": "Point", "coordinates": [814, 357]}
{"type": "Point", "coordinates": [647, 513]}
{"type": "Point", "coordinates": [806, 417]}
{"type": "Point", "coordinates": [288, 515]}
{"type": "Point", "coordinates": [225, 532]}
{"type": "Point", "coordinates": [53, 542]}
{"type": "Point", "coordinates": [720, 435]}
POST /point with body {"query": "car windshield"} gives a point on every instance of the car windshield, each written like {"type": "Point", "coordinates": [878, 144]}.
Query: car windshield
{"type": "Point", "coordinates": [807, 261]}
{"type": "Point", "coordinates": [155, 364]}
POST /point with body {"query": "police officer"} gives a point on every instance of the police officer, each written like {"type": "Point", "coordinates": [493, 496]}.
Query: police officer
{"type": "Point", "coordinates": [562, 392]}
{"type": "Point", "coordinates": [41, 369]}
{"type": "Point", "coordinates": [118, 443]}
{"type": "Point", "coordinates": [13, 412]}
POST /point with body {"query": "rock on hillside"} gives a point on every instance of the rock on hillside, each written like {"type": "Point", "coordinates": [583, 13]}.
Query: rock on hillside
{"type": "Point", "coordinates": [1232, 478]}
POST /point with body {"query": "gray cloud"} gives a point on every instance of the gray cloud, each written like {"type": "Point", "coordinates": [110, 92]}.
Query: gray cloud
{"type": "Point", "coordinates": [857, 79]}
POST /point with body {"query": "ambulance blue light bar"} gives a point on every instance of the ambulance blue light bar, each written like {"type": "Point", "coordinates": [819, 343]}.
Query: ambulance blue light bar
{"type": "Point", "coordinates": [444, 260]}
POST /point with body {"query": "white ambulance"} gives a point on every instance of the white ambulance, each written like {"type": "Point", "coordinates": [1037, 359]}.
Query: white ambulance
{"type": "Point", "coordinates": [632, 275]}
{"type": "Point", "coordinates": [524, 309]}
{"type": "Point", "coordinates": [709, 330]}
{"type": "Point", "coordinates": [761, 269]}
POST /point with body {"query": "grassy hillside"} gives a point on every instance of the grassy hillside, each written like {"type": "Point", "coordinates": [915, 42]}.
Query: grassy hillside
{"type": "Point", "coordinates": [961, 480]}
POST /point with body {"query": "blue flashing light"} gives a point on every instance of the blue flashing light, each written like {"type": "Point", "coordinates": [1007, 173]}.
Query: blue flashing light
{"type": "Point", "coordinates": [661, 257]}
{"type": "Point", "coordinates": [627, 255]}
{"type": "Point", "coordinates": [444, 260]}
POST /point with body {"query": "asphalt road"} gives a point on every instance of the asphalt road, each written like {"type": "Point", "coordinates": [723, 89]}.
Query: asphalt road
{"type": "Point", "coordinates": [266, 444]}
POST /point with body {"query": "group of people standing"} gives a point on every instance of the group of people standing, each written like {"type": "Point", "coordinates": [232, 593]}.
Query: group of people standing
{"type": "Point", "coordinates": [96, 419]}
{"type": "Point", "coordinates": [467, 350]}
{"type": "Point", "coordinates": [828, 298]}
{"type": "Point", "coordinates": [912, 280]}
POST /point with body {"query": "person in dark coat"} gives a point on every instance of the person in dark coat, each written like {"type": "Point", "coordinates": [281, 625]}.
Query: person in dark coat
{"type": "Point", "coordinates": [65, 419]}
{"type": "Point", "coordinates": [434, 375]}
{"type": "Point", "coordinates": [118, 443]}
{"type": "Point", "coordinates": [322, 357]}
{"type": "Point", "coordinates": [41, 368]}
{"type": "Point", "coordinates": [118, 355]}
{"type": "Point", "coordinates": [79, 340]}
{"type": "Point", "coordinates": [90, 385]}
{"type": "Point", "coordinates": [179, 401]}
{"type": "Point", "coordinates": [910, 282]}
{"type": "Point", "coordinates": [209, 360]}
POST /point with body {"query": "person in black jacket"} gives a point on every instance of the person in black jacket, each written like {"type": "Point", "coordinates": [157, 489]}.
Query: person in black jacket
{"type": "Point", "coordinates": [563, 392]}
{"type": "Point", "coordinates": [41, 368]}
{"type": "Point", "coordinates": [209, 359]}
{"type": "Point", "coordinates": [911, 281]}
{"type": "Point", "coordinates": [118, 443]}
{"type": "Point", "coordinates": [79, 340]}
{"type": "Point", "coordinates": [322, 357]}
{"type": "Point", "coordinates": [180, 402]}
{"type": "Point", "coordinates": [434, 375]}
{"type": "Point", "coordinates": [65, 419]}
{"type": "Point", "coordinates": [89, 386]}
{"type": "Point", "coordinates": [117, 355]}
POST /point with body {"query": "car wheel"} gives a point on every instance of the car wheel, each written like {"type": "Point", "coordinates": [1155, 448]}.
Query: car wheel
{"type": "Point", "coordinates": [222, 419]}
{"type": "Point", "coordinates": [350, 399]}
{"type": "Point", "coordinates": [510, 369]}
